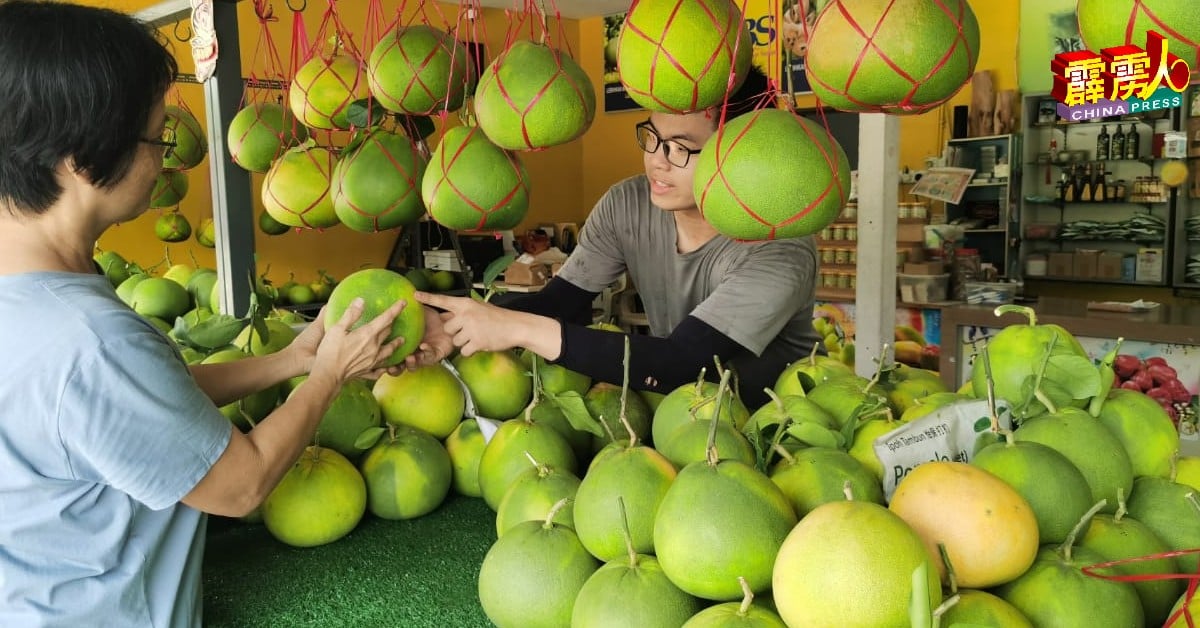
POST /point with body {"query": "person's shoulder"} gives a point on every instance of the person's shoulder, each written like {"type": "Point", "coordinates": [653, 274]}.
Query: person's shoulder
{"type": "Point", "coordinates": [82, 305]}
{"type": "Point", "coordinates": [628, 195]}
{"type": "Point", "coordinates": [787, 246]}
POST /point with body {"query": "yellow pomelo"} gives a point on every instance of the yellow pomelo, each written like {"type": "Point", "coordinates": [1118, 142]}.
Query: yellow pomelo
{"type": "Point", "coordinates": [352, 411]}
{"type": "Point", "coordinates": [465, 446]}
{"type": "Point", "coordinates": [498, 383]}
{"type": "Point", "coordinates": [892, 56]}
{"type": "Point", "coordinates": [1123, 538]}
{"type": "Point", "coordinates": [632, 591]}
{"type": "Point", "coordinates": [279, 335]}
{"type": "Point", "coordinates": [850, 564]}
{"type": "Point", "coordinates": [718, 522]}
{"type": "Point", "coordinates": [988, 529]}
{"type": "Point", "coordinates": [1172, 511]}
{"type": "Point", "coordinates": [507, 456]}
{"type": "Point", "coordinates": [980, 608]}
{"type": "Point", "coordinates": [1054, 592]}
{"type": "Point", "coordinates": [815, 475]}
{"type": "Point", "coordinates": [862, 448]}
{"type": "Point", "coordinates": [323, 89]}
{"type": "Point", "coordinates": [380, 289]}
{"type": "Point", "coordinates": [1187, 471]}
{"type": "Point", "coordinates": [1144, 429]}
{"type": "Point", "coordinates": [295, 191]}
{"type": "Point", "coordinates": [428, 398]}
{"type": "Point", "coordinates": [318, 501]}
{"type": "Point", "coordinates": [1180, 616]}
{"type": "Point", "coordinates": [408, 474]}
{"type": "Point", "coordinates": [639, 476]}
{"type": "Point", "coordinates": [1053, 486]}
{"type": "Point", "coordinates": [533, 493]}
{"type": "Point", "coordinates": [1089, 445]}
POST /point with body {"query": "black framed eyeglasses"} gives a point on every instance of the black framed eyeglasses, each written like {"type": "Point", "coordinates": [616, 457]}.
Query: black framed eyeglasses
{"type": "Point", "coordinates": [677, 154]}
{"type": "Point", "coordinates": [167, 141]}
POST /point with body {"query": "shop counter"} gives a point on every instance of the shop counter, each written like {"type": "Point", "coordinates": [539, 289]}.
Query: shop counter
{"type": "Point", "coordinates": [416, 573]}
{"type": "Point", "coordinates": [1169, 331]}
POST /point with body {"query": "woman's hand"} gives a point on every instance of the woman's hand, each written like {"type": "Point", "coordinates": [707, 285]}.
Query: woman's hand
{"type": "Point", "coordinates": [346, 354]}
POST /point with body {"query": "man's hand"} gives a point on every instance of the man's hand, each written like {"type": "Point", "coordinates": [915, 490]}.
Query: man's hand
{"type": "Point", "coordinates": [436, 345]}
{"type": "Point", "coordinates": [474, 326]}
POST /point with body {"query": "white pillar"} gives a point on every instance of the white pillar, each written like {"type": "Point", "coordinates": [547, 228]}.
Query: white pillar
{"type": "Point", "coordinates": [878, 181]}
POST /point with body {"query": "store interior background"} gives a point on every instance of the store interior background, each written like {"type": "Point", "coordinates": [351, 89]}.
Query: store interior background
{"type": "Point", "coordinates": [566, 180]}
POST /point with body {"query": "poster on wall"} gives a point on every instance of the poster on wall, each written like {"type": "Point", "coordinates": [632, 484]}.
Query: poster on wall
{"type": "Point", "coordinates": [1047, 28]}
{"type": "Point", "coordinates": [797, 21]}
{"type": "Point", "coordinates": [615, 97]}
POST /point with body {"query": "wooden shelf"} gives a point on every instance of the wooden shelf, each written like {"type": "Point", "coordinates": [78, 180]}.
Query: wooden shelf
{"type": "Point", "coordinates": [834, 294]}
{"type": "Point", "coordinates": [1116, 282]}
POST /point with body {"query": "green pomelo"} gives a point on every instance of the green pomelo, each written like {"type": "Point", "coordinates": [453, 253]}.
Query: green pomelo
{"type": "Point", "coordinates": [1016, 354]}
{"type": "Point", "coordinates": [652, 399]}
{"type": "Point", "coordinates": [862, 448]}
{"type": "Point", "coordinates": [159, 323]}
{"type": "Point", "coordinates": [418, 278]}
{"type": "Point", "coordinates": [1127, 538]}
{"type": "Point", "coordinates": [1144, 429]}
{"type": "Point", "coordinates": [677, 57]}
{"type": "Point", "coordinates": [180, 274]}
{"type": "Point", "coordinates": [352, 411]}
{"type": "Point", "coordinates": [125, 288]}
{"type": "Point", "coordinates": [252, 408]}
{"type": "Point", "coordinates": [786, 413]}
{"type": "Point", "coordinates": [191, 144]}
{"type": "Point", "coordinates": [300, 294]}
{"type": "Point", "coordinates": [696, 401]}
{"type": "Point", "coordinates": [531, 576]}
{"type": "Point", "coordinates": [295, 191]}
{"type": "Point", "coordinates": [379, 289]}
{"type": "Point", "coordinates": [735, 615]}
{"type": "Point", "coordinates": [428, 398]}
{"type": "Point", "coordinates": [556, 379]}
{"type": "Point", "coordinates": [498, 383]}
{"type": "Point", "coordinates": [1187, 471]}
{"type": "Point", "coordinates": [471, 183]}
{"type": "Point", "coordinates": [419, 70]}
{"type": "Point", "coordinates": [279, 335]}
{"type": "Point", "coordinates": [206, 234]}
{"type": "Point", "coordinates": [441, 281]}
{"type": "Point", "coordinates": [1108, 23]}
{"type": "Point", "coordinates": [927, 405]}
{"type": "Point", "coordinates": [323, 89]}
{"type": "Point", "coordinates": [318, 501]}
{"type": "Point", "coordinates": [815, 476]}
{"type": "Point", "coordinates": [689, 444]}
{"type": "Point", "coordinates": [200, 285]}
{"type": "Point", "coordinates": [172, 227]}
{"type": "Point", "coordinates": [850, 563]}
{"type": "Point", "coordinates": [718, 522]}
{"type": "Point", "coordinates": [632, 591]}
{"type": "Point", "coordinates": [115, 267]}
{"type": "Point", "coordinates": [169, 189]}
{"type": "Point", "coordinates": [639, 476]}
{"type": "Point", "coordinates": [1089, 445]}
{"type": "Point", "coordinates": [603, 401]}
{"type": "Point", "coordinates": [268, 225]}
{"type": "Point", "coordinates": [799, 377]}
{"type": "Point", "coordinates": [1172, 511]}
{"type": "Point", "coordinates": [1054, 592]}
{"type": "Point", "coordinates": [160, 297]}
{"type": "Point", "coordinates": [465, 446]}
{"type": "Point", "coordinates": [982, 609]}
{"type": "Point", "coordinates": [842, 396]}
{"type": "Point", "coordinates": [1056, 490]}
{"type": "Point", "coordinates": [907, 386]}
{"type": "Point", "coordinates": [260, 132]}
{"type": "Point", "coordinates": [547, 412]}
{"type": "Point", "coordinates": [376, 186]}
{"type": "Point", "coordinates": [744, 200]}
{"type": "Point", "coordinates": [408, 474]}
{"type": "Point", "coordinates": [533, 96]}
{"type": "Point", "coordinates": [506, 456]}
{"type": "Point", "coordinates": [901, 57]}
{"type": "Point", "coordinates": [533, 493]}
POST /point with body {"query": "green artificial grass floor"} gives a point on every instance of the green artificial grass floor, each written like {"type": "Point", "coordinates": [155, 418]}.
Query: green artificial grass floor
{"type": "Point", "coordinates": [409, 574]}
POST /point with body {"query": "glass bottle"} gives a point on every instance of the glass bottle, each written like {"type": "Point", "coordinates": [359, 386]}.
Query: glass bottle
{"type": "Point", "coordinates": [1084, 191]}
{"type": "Point", "coordinates": [1131, 143]}
{"type": "Point", "coordinates": [1116, 145]}
{"type": "Point", "coordinates": [1102, 143]}
{"type": "Point", "coordinates": [1100, 184]}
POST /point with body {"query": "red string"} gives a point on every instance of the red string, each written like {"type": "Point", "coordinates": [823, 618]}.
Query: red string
{"type": "Point", "coordinates": [1193, 579]}
{"type": "Point", "coordinates": [484, 212]}
{"type": "Point", "coordinates": [325, 170]}
{"type": "Point", "coordinates": [410, 188]}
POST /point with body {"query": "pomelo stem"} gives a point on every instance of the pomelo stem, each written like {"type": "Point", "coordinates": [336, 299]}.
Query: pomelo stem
{"type": "Point", "coordinates": [879, 371]}
{"type": "Point", "coordinates": [558, 505]}
{"type": "Point", "coordinates": [1041, 373]}
{"type": "Point", "coordinates": [951, 577]}
{"type": "Point", "coordinates": [1041, 396]}
{"type": "Point", "coordinates": [625, 391]}
{"type": "Point", "coordinates": [710, 453]}
{"type": "Point", "coordinates": [783, 453]}
{"type": "Point", "coordinates": [1065, 548]}
{"type": "Point", "coordinates": [542, 469]}
{"type": "Point", "coordinates": [991, 389]}
{"type": "Point", "coordinates": [812, 355]}
{"type": "Point", "coordinates": [1121, 512]}
{"type": "Point", "coordinates": [848, 491]}
{"type": "Point", "coordinates": [775, 399]}
{"type": "Point", "coordinates": [633, 437]}
{"type": "Point", "coordinates": [1025, 311]}
{"type": "Point", "coordinates": [944, 608]}
{"type": "Point", "coordinates": [625, 534]}
{"type": "Point", "coordinates": [747, 597]}
{"type": "Point", "coordinates": [775, 440]}
{"type": "Point", "coordinates": [1191, 497]}
{"type": "Point", "coordinates": [700, 380]}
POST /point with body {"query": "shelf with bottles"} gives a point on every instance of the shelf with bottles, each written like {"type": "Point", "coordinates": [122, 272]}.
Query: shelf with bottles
{"type": "Point", "coordinates": [1095, 280]}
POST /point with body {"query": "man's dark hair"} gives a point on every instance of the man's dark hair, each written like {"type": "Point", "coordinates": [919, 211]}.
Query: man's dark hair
{"type": "Point", "coordinates": [75, 82]}
{"type": "Point", "coordinates": [749, 95]}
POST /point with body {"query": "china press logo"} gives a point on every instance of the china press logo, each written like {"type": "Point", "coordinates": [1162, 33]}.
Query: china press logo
{"type": "Point", "coordinates": [1121, 80]}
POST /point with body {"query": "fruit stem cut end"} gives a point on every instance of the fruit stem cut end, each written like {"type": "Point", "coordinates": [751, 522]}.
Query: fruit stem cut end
{"type": "Point", "coordinates": [747, 597]}
{"type": "Point", "coordinates": [558, 505]}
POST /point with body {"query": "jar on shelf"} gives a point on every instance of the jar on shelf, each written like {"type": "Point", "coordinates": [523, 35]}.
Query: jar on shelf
{"type": "Point", "coordinates": [826, 233]}
{"type": "Point", "coordinates": [852, 233]}
{"type": "Point", "coordinates": [904, 210]}
{"type": "Point", "coordinates": [827, 255]}
{"type": "Point", "coordinates": [843, 280]}
{"type": "Point", "coordinates": [920, 210]}
{"type": "Point", "coordinates": [828, 279]}
{"type": "Point", "coordinates": [852, 257]}
{"type": "Point", "coordinates": [841, 256]}
{"type": "Point", "coordinates": [850, 212]}
{"type": "Point", "coordinates": [838, 233]}
{"type": "Point", "coordinates": [853, 280]}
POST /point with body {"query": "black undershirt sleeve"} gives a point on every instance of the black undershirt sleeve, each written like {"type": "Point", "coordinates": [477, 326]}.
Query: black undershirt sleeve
{"type": "Point", "coordinates": [559, 299]}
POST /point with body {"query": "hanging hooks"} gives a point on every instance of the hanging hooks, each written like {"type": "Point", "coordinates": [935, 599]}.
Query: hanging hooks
{"type": "Point", "coordinates": [303, 5]}
{"type": "Point", "coordinates": [181, 38]}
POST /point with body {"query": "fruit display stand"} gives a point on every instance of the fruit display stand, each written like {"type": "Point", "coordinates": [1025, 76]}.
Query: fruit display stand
{"type": "Point", "coordinates": [420, 572]}
{"type": "Point", "coordinates": [1167, 333]}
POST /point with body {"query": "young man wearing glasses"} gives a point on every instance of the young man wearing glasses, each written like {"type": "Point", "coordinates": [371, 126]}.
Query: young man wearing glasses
{"type": "Point", "coordinates": [748, 303]}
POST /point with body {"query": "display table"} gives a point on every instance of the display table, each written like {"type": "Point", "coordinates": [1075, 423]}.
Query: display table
{"type": "Point", "coordinates": [414, 573]}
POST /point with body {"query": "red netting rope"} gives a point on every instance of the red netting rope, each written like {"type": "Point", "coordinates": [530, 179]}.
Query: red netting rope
{"type": "Point", "coordinates": [411, 184]}
{"type": "Point", "coordinates": [259, 85]}
{"type": "Point", "coordinates": [344, 44]}
{"type": "Point", "coordinates": [1192, 578]}
{"type": "Point", "coordinates": [484, 212]}
{"type": "Point", "coordinates": [1139, 6]}
{"type": "Point", "coordinates": [906, 103]}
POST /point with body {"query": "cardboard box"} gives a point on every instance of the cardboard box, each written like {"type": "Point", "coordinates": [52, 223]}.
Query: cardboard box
{"type": "Point", "coordinates": [1085, 263]}
{"type": "Point", "coordinates": [1108, 265]}
{"type": "Point", "coordinates": [1060, 265]}
{"type": "Point", "coordinates": [910, 232]}
{"type": "Point", "coordinates": [924, 268]}
{"type": "Point", "coordinates": [523, 274]}
{"type": "Point", "coordinates": [1149, 265]}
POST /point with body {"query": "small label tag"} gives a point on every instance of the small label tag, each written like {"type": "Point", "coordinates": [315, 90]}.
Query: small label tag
{"type": "Point", "coordinates": [948, 434]}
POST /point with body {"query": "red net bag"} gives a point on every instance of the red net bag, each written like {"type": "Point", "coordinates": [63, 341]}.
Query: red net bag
{"type": "Point", "coordinates": [295, 191]}
{"type": "Point", "coordinates": [169, 188]}
{"type": "Point", "coordinates": [182, 127]}
{"type": "Point", "coordinates": [473, 184]}
{"type": "Point", "coordinates": [418, 67]}
{"type": "Point", "coordinates": [891, 56]}
{"type": "Point", "coordinates": [330, 78]}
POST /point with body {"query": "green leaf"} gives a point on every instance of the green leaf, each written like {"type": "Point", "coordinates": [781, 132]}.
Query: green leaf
{"type": "Point", "coordinates": [807, 383]}
{"type": "Point", "coordinates": [365, 113]}
{"type": "Point", "coordinates": [1075, 374]}
{"type": "Point", "coordinates": [982, 424]}
{"type": "Point", "coordinates": [815, 435]}
{"type": "Point", "coordinates": [180, 332]}
{"type": "Point", "coordinates": [417, 127]}
{"type": "Point", "coordinates": [216, 331]}
{"type": "Point", "coordinates": [368, 437]}
{"type": "Point", "coordinates": [495, 268]}
{"type": "Point", "coordinates": [572, 406]}
{"type": "Point", "coordinates": [356, 140]}
{"type": "Point", "coordinates": [1057, 394]}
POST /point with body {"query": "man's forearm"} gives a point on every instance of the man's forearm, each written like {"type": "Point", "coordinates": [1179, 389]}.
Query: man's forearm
{"type": "Point", "coordinates": [229, 381]}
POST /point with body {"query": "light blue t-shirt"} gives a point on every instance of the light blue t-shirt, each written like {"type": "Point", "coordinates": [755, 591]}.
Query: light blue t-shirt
{"type": "Point", "coordinates": [102, 432]}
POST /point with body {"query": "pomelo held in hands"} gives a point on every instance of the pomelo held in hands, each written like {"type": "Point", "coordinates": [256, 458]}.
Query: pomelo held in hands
{"type": "Point", "coordinates": [379, 289]}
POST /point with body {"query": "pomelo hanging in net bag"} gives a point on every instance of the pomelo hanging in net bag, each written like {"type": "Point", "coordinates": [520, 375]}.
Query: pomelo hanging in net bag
{"type": "Point", "coordinates": [323, 89]}
{"type": "Point", "coordinates": [892, 56]}
{"type": "Point", "coordinates": [295, 191]}
{"type": "Point", "coordinates": [375, 185]}
{"type": "Point", "coordinates": [419, 70]}
{"type": "Point", "coordinates": [771, 174]}
{"type": "Point", "coordinates": [676, 56]}
{"type": "Point", "coordinates": [1108, 23]}
{"type": "Point", "coordinates": [534, 96]}
{"type": "Point", "coordinates": [169, 188]}
{"type": "Point", "coordinates": [473, 184]}
{"type": "Point", "coordinates": [260, 132]}
{"type": "Point", "coordinates": [191, 145]}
